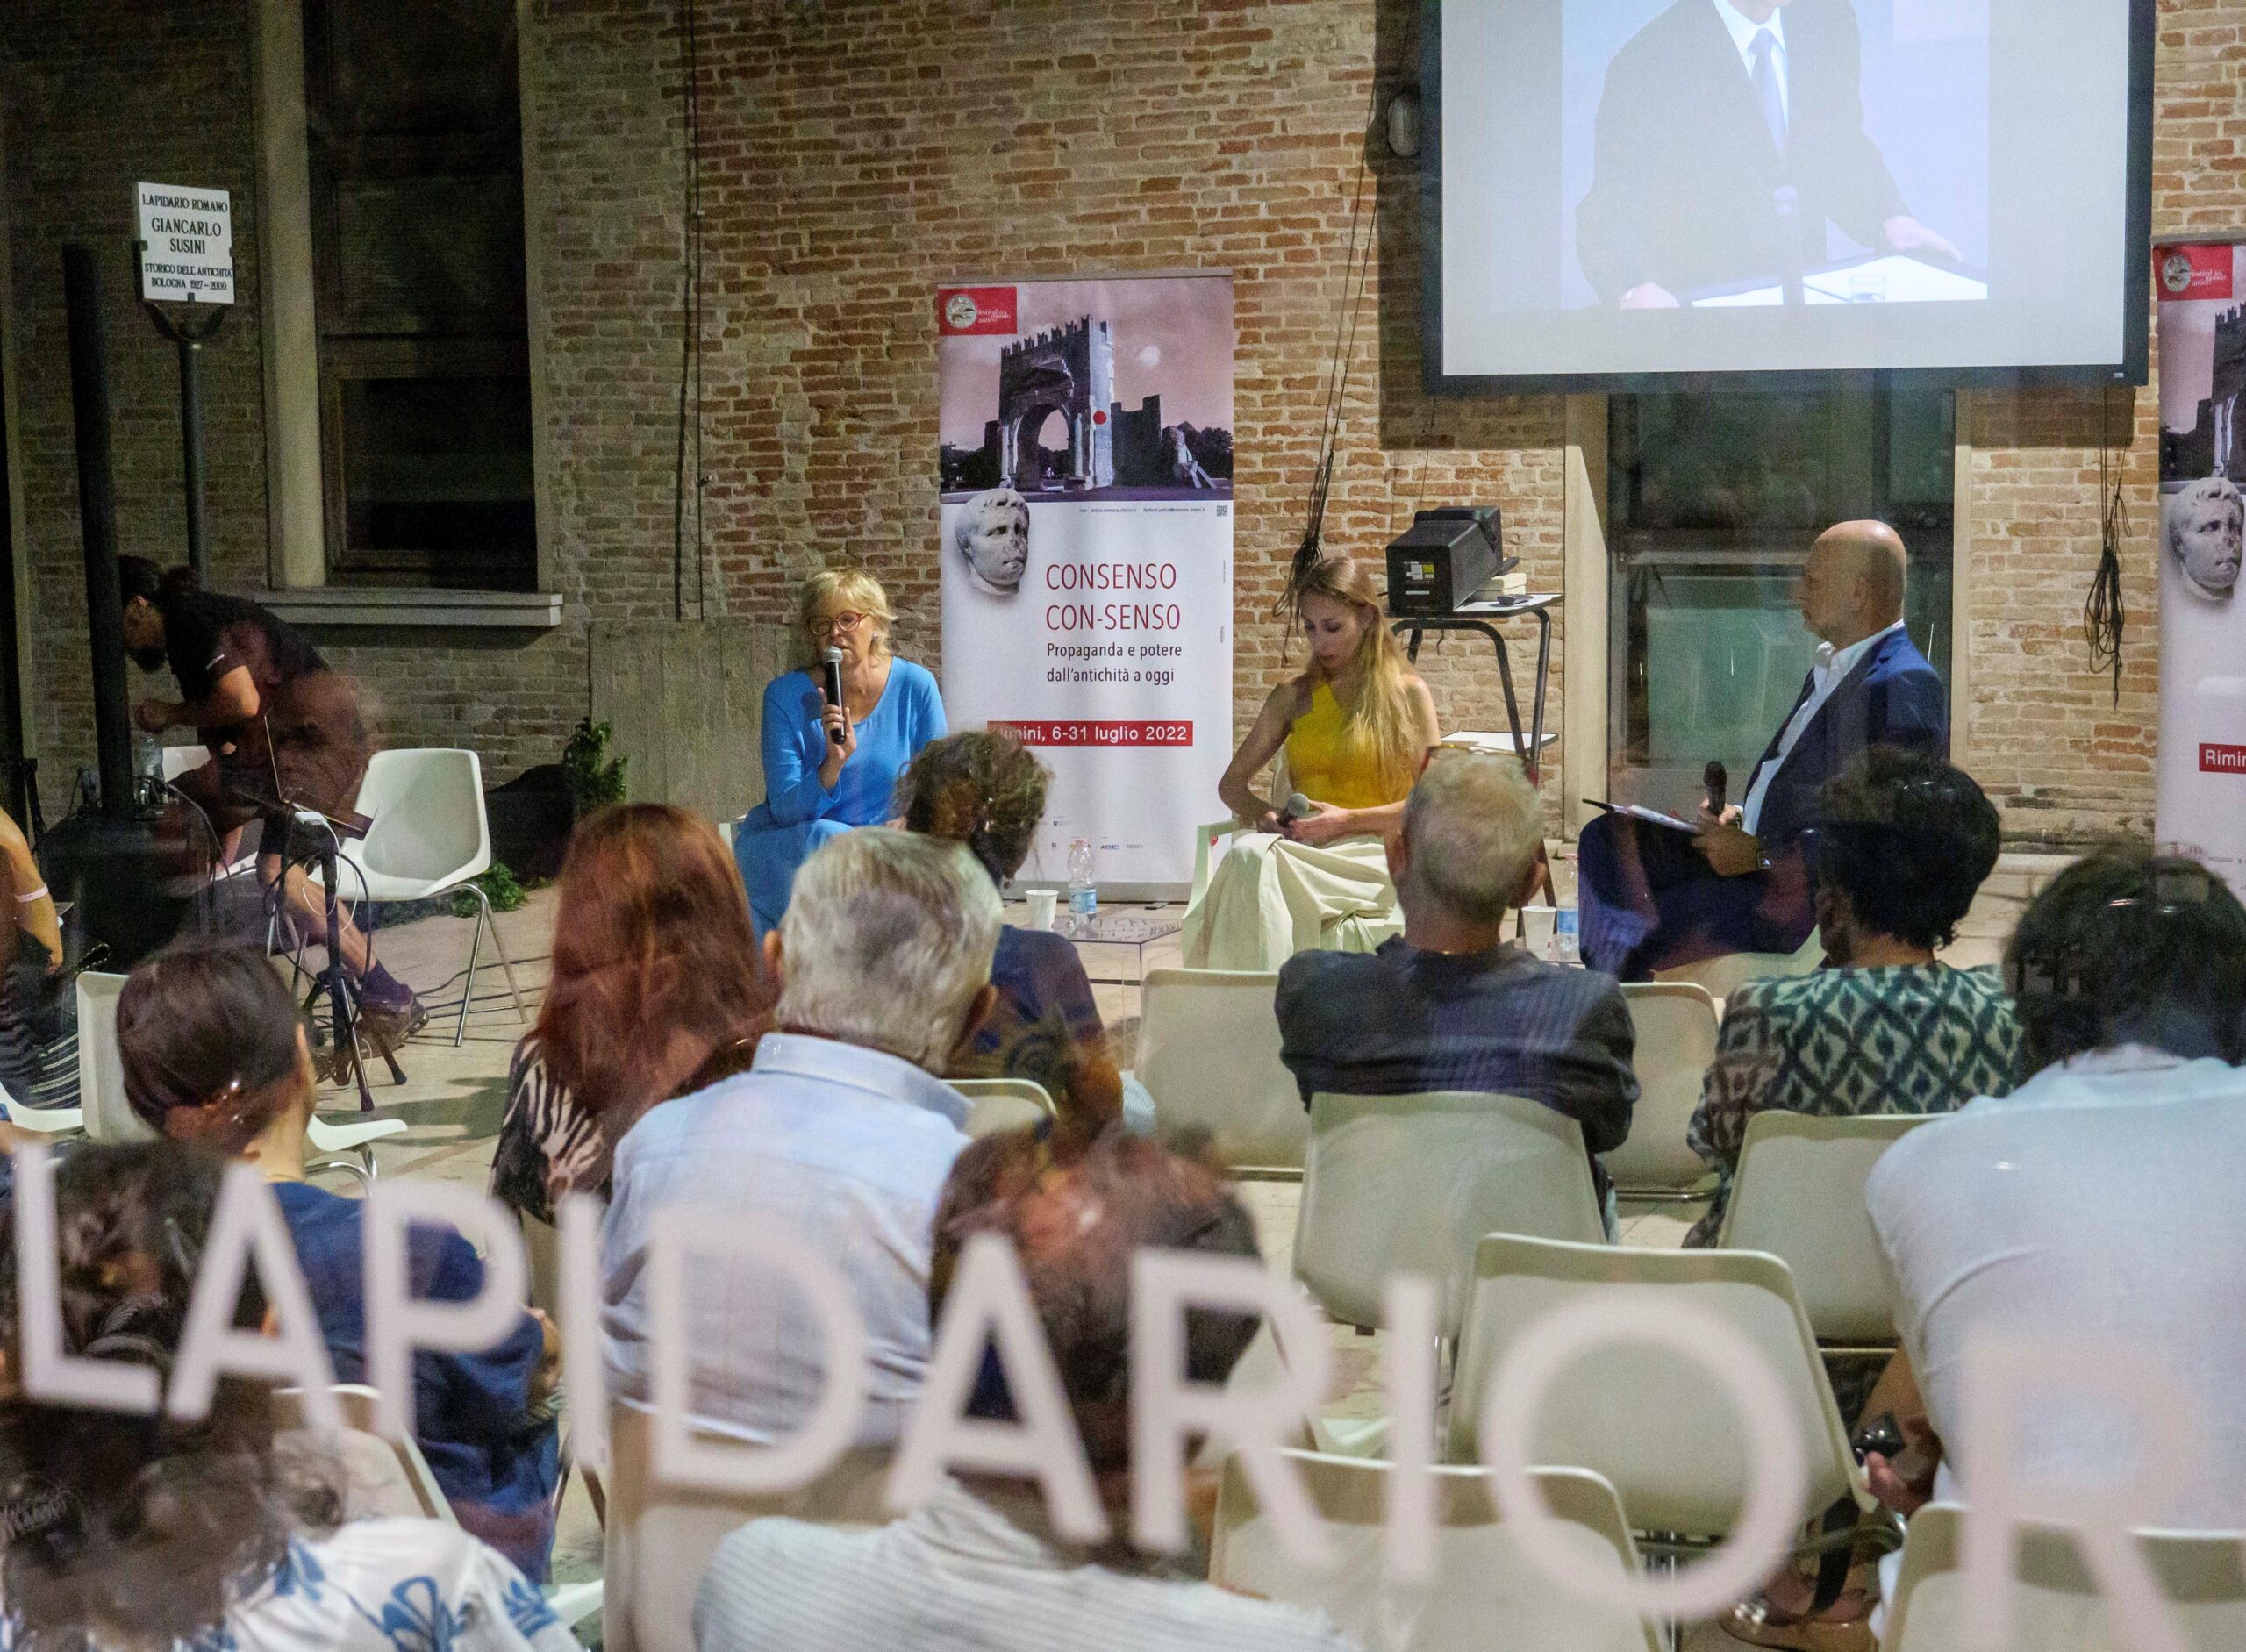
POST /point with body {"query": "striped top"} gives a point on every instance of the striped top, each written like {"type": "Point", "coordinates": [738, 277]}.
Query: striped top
{"type": "Point", "coordinates": [961, 1574]}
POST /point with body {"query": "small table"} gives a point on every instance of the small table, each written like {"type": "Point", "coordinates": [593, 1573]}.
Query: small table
{"type": "Point", "coordinates": [1124, 935]}
{"type": "Point", "coordinates": [1481, 615]}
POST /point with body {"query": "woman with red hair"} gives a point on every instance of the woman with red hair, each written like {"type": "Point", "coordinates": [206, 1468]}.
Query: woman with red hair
{"type": "Point", "coordinates": [658, 991]}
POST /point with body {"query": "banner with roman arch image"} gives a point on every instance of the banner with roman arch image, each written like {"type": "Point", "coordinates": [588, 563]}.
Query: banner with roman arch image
{"type": "Point", "coordinates": [2202, 773]}
{"type": "Point", "coordinates": [1085, 539]}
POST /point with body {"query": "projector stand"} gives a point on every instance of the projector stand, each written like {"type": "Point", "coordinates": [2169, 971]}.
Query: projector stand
{"type": "Point", "coordinates": [1481, 617]}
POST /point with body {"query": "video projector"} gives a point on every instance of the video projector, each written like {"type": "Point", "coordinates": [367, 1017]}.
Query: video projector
{"type": "Point", "coordinates": [1443, 558]}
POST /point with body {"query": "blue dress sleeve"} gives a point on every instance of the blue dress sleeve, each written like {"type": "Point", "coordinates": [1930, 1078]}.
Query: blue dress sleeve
{"type": "Point", "coordinates": [792, 791]}
{"type": "Point", "coordinates": [486, 1394]}
{"type": "Point", "coordinates": [928, 709]}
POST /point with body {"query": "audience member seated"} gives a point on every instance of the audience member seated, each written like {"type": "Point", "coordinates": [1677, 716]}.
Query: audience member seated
{"type": "Point", "coordinates": [979, 1569]}
{"type": "Point", "coordinates": [214, 1056]}
{"type": "Point", "coordinates": [1903, 844]}
{"type": "Point", "coordinates": [1451, 1004]}
{"type": "Point", "coordinates": [830, 767]}
{"type": "Point", "coordinates": [2098, 1201]}
{"type": "Point", "coordinates": [839, 1132]}
{"type": "Point", "coordinates": [1356, 727]}
{"type": "Point", "coordinates": [986, 790]}
{"type": "Point", "coordinates": [127, 1531]}
{"type": "Point", "coordinates": [39, 1009]}
{"type": "Point", "coordinates": [657, 990]}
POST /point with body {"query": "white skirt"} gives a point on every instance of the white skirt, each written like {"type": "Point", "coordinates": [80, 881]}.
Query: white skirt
{"type": "Point", "coordinates": [1272, 897]}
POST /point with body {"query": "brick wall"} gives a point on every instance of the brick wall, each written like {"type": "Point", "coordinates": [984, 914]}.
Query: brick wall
{"type": "Point", "coordinates": [858, 152]}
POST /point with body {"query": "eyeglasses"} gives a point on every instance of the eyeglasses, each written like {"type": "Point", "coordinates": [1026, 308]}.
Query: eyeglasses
{"type": "Point", "coordinates": [839, 625]}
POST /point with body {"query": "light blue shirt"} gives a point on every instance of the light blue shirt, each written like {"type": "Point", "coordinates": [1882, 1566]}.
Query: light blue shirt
{"type": "Point", "coordinates": [847, 1149]}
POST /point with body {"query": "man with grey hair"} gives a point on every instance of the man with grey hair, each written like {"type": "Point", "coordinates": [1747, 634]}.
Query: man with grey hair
{"type": "Point", "coordinates": [838, 1136]}
{"type": "Point", "coordinates": [1449, 1004]}
{"type": "Point", "coordinates": [2204, 525]}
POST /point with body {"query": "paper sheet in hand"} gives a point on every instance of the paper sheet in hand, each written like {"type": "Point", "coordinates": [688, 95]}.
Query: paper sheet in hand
{"type": "Point", "coordinates": [1652, 817]}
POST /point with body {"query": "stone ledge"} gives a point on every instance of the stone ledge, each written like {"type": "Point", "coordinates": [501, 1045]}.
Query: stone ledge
{"type": "Point", "coordinates": [332, 605]}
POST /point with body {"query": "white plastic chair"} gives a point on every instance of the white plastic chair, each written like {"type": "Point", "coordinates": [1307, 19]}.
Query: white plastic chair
{"type": "Point", "coordinates": [2060, 1606]}
{"type": "Point", "coordinates": [1410, 1183]}
{"type": "Point", "coordinates": [1209, 1055]}
{"type": "Point", "coordinates": [659, 1538]}
{"type": "Point", "coordinates": [402, 1486]}
{"type": "Point", "coordinates": [1483, 1595]}
{"type": "Point", "coordinates": [430, 836]}
{"type": "Point", "coordinates": [109, 1116]}
{"type": "Point", "coordinates": [1657, 1427]}
{"type": "Point", "coordinates": [1674, 1025]}
{"type": "Point", "coordinates": [1004, 1104]}
{"type": "Point", "coordinates": [1724, 974]}
{"type": "Point", "coordinates": [1799, 1195]}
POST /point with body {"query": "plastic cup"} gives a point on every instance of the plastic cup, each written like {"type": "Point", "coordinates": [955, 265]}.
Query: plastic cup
{"type": "Point", "coordinates": [1041, 902]}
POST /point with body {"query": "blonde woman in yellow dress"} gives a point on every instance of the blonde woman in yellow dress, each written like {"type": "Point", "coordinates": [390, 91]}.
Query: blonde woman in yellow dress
{"type": "Point", "coordinates": [1356, 727]}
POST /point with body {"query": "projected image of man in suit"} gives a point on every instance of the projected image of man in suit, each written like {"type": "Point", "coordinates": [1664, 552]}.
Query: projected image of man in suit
{"type": "Point", "coordinates": [1730, 132]}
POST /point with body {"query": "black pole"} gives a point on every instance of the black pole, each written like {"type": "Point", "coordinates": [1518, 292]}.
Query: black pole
{"type": "Point", "coordinates": [82, 300]}
{"type": "Point", "coordinates": [190, 446]}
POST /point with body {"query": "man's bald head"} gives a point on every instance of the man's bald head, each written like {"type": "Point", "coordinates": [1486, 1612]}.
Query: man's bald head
{"type": "Point", "coordinates": [1854, 584]}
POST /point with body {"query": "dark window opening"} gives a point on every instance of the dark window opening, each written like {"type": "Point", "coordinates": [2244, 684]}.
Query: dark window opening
{"type": "Point", "coordinates": [416, 148]}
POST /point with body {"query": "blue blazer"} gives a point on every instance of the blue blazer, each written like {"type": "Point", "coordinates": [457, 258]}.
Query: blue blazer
{"type": "Point", "coordinates": [1893, 698]}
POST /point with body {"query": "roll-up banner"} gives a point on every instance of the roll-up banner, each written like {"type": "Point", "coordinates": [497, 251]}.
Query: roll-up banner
{"type": "Point", "coordinates": [1086, 545]}
{"type": "Point", "coordinates": [2202, 796]}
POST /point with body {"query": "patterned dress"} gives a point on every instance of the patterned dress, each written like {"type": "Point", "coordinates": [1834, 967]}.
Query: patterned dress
{"type": "Point", "coordinates": [1905, 1039]}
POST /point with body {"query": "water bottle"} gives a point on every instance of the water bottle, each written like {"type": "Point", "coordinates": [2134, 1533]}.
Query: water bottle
{"type": "Point", "coordinates": [1567, 935]}
{"type": "Point", "coordinates": [1084, 896]}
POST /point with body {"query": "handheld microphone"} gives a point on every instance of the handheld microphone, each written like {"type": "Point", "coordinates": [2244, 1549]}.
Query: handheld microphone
{"type": "Point", "coordinates": [1296, 807]}
{"type": "Point", "coordinates": [831, 685]}
{"type": "Point", "coordinates": [1717, 781]}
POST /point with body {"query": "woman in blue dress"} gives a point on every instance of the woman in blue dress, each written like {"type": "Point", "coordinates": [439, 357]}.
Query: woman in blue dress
{"type": "Point", "coordinates": [816, 786]}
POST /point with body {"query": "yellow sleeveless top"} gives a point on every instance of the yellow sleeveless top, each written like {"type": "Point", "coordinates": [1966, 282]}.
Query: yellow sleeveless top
{"type": "Point", "coordinates": [1316, 766]}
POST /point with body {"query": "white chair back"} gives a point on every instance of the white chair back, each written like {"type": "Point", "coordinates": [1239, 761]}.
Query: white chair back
{"type": "Point", "coordinates": [660, 1539]}
{"type": "Point", "coordinates": [1724, 974]}
{"type": "Point", "coordinates": [1004, 1104]}
{"type": "Point", "coordinates": [180, 760]}
{"type": "Point", "coordinates": [384, 1476]}
{"type": "Point", "coordinates": [429, 825]}
{"type": "Point", "coordinates": [109, 1117]}
{"type": "Point", "coordinates": [2060, 1606]}
{"type": "Point", "coordinates": [1410, 1183]}
{"type": "Point", "coordinates": [1485, 1595]}
{"type": "Point", "coordinates": [1209, 1055]}
{"type": "Point", "coordinates": [1674, 1028]}
{"type": "Point", "coordinates": [1799, 1196]}
{"type": "Point", "coordinates": [1658, 1428]}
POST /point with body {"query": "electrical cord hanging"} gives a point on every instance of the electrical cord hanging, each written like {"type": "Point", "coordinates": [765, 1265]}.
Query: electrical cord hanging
{"type": "Point", "coordinates": [1356, 276]}
{"type": "Point", "coordinates": [690, 365]}
{"type": "Point", "coordinates": [2104, 616]}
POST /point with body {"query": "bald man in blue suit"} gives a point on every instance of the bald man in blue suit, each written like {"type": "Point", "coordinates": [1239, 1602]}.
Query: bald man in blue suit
{"type": "Point", "coordinates": [1653, 899]}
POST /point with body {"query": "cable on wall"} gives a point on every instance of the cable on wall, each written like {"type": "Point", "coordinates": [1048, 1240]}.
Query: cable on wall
{"type": "Point", "coordinates": [690, 365]}
{"type": "Point", "coordinates": [1356, 276]}
{"type": "Point", "coordinates": [2104, 616]}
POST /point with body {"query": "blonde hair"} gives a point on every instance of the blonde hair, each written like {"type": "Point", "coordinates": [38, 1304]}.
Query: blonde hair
{"type": "Point", "coordinates": [842, 588]}
{"type": "Point", "coordinates": [1379, 729]}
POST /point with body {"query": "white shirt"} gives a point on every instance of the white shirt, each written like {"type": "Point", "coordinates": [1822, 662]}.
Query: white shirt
{"type": "Point", "coordinates": [392, 1586]}
{"type": "Point", "coordinates": [962, 1576]}
{"type": "Point", "coordinates": [842, 1148]}
{"type": "Point", "coordinates": [2100, 1199]}
{"type": "Point", "coordinates": [1832, 668]}
{"type": "Point", "coordinates": [1742, 37]}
